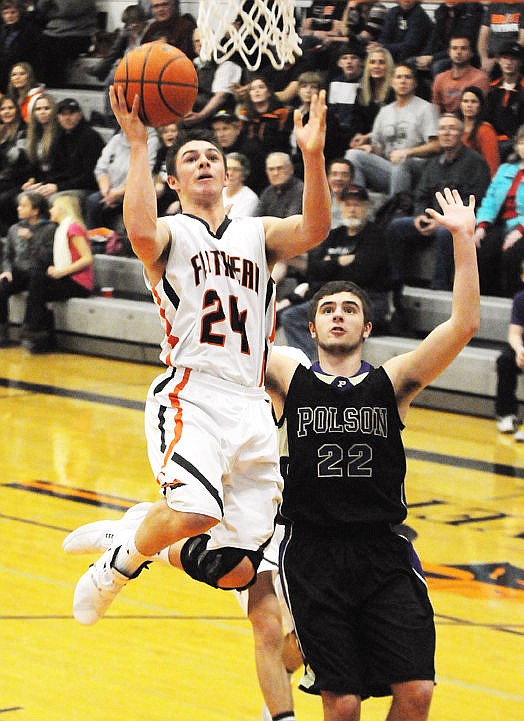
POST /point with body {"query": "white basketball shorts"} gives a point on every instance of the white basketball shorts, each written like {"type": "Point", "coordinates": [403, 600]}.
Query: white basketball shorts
{"type": "Point", "coordinates": [213, 448]}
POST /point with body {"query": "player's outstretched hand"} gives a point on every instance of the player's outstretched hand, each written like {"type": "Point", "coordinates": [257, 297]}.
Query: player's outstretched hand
{"type": "Point", "coordinates": [128, 120]}
{"type": "Point", "coordinates": [455, 215]}
{"type": "Point", "coordinates": [311, 136]}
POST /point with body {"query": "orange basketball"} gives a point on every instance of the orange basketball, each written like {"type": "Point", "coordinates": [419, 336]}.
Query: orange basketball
{"type": "Point", "coordinates": [163, 77]}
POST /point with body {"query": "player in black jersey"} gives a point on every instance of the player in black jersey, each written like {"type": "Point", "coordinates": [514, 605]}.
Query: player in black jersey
{"type": "Point", "coordinates": [355, 588]}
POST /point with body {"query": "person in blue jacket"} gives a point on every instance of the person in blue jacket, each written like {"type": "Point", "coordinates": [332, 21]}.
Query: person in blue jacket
{"type": "Point", "coordinates": [499, 235]}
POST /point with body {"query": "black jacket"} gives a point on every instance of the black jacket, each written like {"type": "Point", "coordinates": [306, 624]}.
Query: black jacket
{"type": "Point", "coordinates": [370, 268]}
{"type": "Point", "coordinates": [74, 156]}
{"type": "Point", "coordinates": [468, 172]}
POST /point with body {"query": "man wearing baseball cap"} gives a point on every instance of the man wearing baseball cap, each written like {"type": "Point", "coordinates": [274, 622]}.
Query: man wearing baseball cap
{"type": "Point", "coordinates": [78, 148]}
{"type": "Point", "coordinates": [355, 251]}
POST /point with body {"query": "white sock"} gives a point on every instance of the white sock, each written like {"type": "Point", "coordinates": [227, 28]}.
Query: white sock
{"type": "Point", "coordinates": [163, 557]}
{"type": "Point", "coordinates": [128, 560]}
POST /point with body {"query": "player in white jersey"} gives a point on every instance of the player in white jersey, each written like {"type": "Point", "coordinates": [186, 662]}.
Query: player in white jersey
{"type": "Point", "coordinates": [210, 433]}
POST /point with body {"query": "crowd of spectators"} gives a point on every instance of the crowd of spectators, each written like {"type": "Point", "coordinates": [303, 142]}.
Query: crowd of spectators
{"type": "Point", "coordinates": [415, 103]}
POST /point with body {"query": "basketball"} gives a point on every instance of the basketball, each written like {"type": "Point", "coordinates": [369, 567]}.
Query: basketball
{"type": "Point", "coordinates": [164, 78]}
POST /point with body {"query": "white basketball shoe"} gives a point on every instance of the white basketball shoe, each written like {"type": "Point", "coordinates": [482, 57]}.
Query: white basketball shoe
{"type": "Point", "coordinates": [101, 583]}
{"type": "Point", "coordinates": [98, 536]}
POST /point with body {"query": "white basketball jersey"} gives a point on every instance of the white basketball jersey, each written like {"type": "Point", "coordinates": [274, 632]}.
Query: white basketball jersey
{"type": "Point", "coordinates": [217, 299]}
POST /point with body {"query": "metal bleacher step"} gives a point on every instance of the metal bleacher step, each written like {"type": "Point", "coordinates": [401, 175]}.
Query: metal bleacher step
{"type": "Point", "coordinates": [427, 308]}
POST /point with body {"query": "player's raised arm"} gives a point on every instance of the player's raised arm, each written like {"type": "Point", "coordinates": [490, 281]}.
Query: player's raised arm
{"type": "Point", "coordinates": [411, 372]}
{"type": "Point", "coordinates": [148, 237]}
{"type": "Point", "coordinates": [291, 236]}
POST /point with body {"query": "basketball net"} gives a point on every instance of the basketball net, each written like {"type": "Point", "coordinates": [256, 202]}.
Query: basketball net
{"type": "Point", "coordinates": [251, 28]}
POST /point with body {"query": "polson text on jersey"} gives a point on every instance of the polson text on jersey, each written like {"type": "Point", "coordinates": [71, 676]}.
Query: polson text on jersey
{"type": "Point", "coordinates": [323, 419]}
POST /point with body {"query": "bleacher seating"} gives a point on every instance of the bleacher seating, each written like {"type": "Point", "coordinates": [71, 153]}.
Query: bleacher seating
{"type": "Point", "coordinates": [126, 326]}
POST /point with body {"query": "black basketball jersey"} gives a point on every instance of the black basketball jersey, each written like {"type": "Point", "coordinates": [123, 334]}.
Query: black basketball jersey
{"type": "Point", "coordinates": [346, 461]}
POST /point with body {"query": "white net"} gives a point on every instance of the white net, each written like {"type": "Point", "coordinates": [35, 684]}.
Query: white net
{"type": "Point", "coordinates": [251, 28]}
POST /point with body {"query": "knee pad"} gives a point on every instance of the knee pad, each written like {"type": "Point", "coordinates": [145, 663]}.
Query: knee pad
{"type": "Point", "coordinates": [208, 566]}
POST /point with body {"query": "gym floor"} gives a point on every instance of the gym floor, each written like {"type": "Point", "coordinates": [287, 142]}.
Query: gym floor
{"type": "Point", "coordinates": [73, 451]}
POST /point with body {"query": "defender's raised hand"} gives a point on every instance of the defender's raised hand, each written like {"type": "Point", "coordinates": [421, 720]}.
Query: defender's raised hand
{"type": "Point", "coordinates": [455, 215]}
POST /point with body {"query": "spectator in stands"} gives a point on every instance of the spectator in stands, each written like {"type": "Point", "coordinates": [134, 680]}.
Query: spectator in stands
{"type": "Point", "coordinates": [404, 135]}
{"type": "Point", "coordinates": [405, 31]}
{"type": "Point", "coordinates": [239, 200]}
{"type": "Point", "coordinates": [23, 88]}
{"type": "Point", "coordinates": [19, 40]}
{"type": "Point", "coordinates": [309, 84]}
{"type": "Point", "coordinates": [166, 198]}
{"type": "Point", "coordinates": [39, 148]}
{"type": "Point", "coordinates": [129, 36]}
{"type": "Point", "coordinates": [478, 133]}
{"type": "Point", "coordinates": [283, 195]}
{"type": "Point", "coordinates": [170, 26]}
{"type": "Point", "coordinates": [374, 92]}
{"type": "Point", "coordinates": [344, 85]}
{"type": "Point", "coordinates": [502, 23]}
{"type": "Point", "coordinates": [364, 20]}
{"type": "Point", "coordinates": [505, 101]}
{"type": "Point", "coordinates": [14, 166]}
{"type": "Point", "coordinates": [451, 18]}
{"type": "Point", "coordinates": [509, 366]}
{"type": "Point", "coordinates": [322, 30]}
{"type": "Point", "coordinates": [232, 137]}
{"type": "Point", "coordinates": [76, 151]}
{"type": "Point", "coordinates": [448, 85]}
{"type": "Point", "coordinates": [62, 148]}
{"type": "Point", "coordinates": [215, 83]}
{"type": "Point", "coordinates": [285, 82]}
{"type": "Point", "coordinates": [282, 198]}
{"type": "Point", "coordinates": [500, 226]}
{"type": "Point", "coordinates": [104, 207]}
{"type": "Point", "coordinates": [264, 124]}
{"type": "Point", "coordinates": [27, 247]}
{"type": "Point", "coordinates": [339, 176]}
{"type": "Point", "coordinates": [68, 31]}
{"type": "Point", "coordinates": [70, 275]}
{"type": "Point", "coordinates": [355, 251]}
{"type": "Point", "coordinates": [456, 167]}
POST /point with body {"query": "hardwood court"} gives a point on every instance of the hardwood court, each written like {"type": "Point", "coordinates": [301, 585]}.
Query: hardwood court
{"type": "Point", "coordinates": [73, 451]}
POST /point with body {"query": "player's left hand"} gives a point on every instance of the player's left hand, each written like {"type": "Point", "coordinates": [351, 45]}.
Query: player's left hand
{"type": "Point", "coordinates": [311, 136]}
{"type": "Point", "coordinates": [455, 215]}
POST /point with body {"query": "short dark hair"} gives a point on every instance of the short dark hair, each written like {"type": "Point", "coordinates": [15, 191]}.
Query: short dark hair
{"type": "Point", "coordinates": [17, 4]}
{"type": "Point", "coordinates": [243, 160]}
{"type": "Point", "coordinates": [341, 286]}
{"type": "Point", "coordinates": [406, 64]}
{"type": "Point", "coordinates": [38, 201]}
{"type": "Point", "coordinates": [133, 14]}
{"type": "Point", "coordinates": [344, 161]}
{"type": "Point", "coordinates": [461, 36]}
{"type": "Point", "coordinates": [185, 137]}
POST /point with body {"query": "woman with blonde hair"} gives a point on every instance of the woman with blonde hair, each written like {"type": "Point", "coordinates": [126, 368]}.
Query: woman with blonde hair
{"type": "Point", "coordinates": [41, 156]}
{"type": "Point", "coordinates": [42, 133]}
{"type": "Point", "coordinates": [70, 275]}
{"type": "Point", "coordinates": [374, 92]}
{"type": "Point", "coordinates": [23, 88]}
